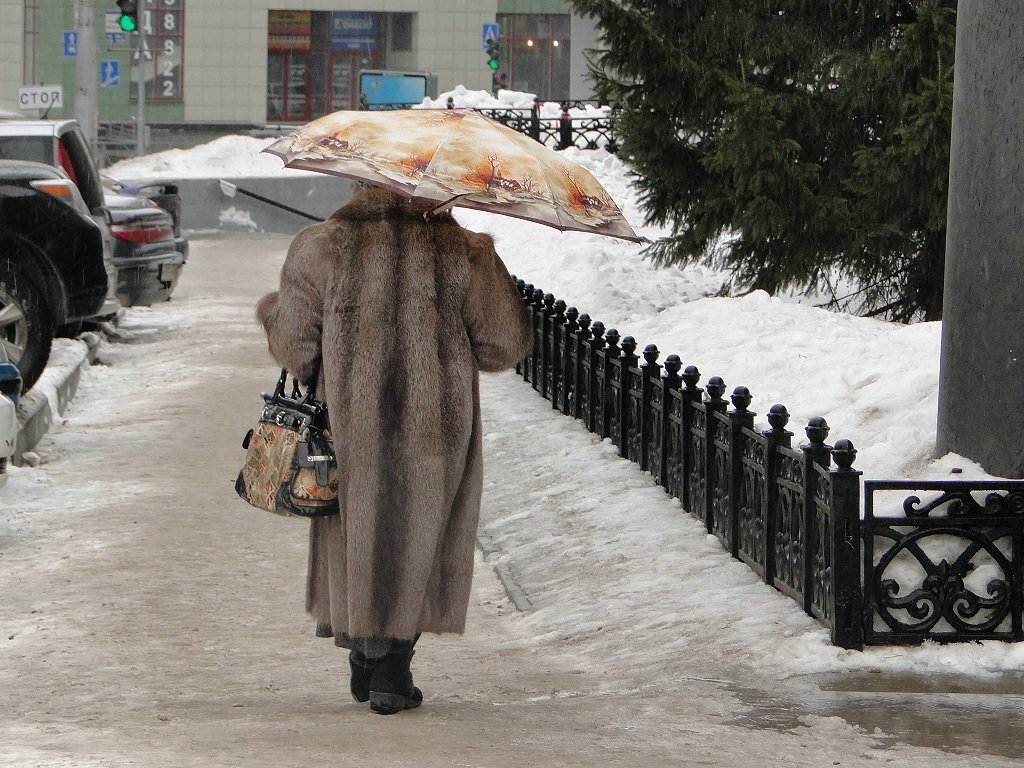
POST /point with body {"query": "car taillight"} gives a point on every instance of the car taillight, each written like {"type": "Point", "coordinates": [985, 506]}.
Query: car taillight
{"type": "Point", "coordinates": [142, 231]}
{"type": "Point", "coordinates": [63, 190]}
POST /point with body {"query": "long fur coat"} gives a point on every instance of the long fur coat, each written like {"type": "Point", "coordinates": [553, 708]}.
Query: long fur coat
{"type": "Point", "coordinates": [406, 312]}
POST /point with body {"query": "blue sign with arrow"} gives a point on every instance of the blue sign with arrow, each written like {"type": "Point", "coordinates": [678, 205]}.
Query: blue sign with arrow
{"type": "Point", "coordinates": [110, 73]}
{"type": "Point", "coordinates": [70, 44]}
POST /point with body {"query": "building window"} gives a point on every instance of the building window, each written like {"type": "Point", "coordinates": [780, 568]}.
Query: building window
{"type": "Point", "coordinates": [314, 59]}
{"type": "Point", "coordinates": [534, 53]}
{"type": "Point", "coordinates": [401, 31]}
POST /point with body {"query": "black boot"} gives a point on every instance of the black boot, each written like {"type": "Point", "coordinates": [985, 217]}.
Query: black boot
{"type": "Point", "coordinates": [362, 672]}
{"type": "Point", "coordinates": [391, 688]}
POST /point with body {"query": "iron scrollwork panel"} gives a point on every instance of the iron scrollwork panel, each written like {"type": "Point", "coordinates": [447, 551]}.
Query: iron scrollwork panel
{"type": "Point", "coordinates": [599, 398]}
{"type": "Point", "coordinates": [674, 449]}
{"type": "Point", "coordinates": [554, 363]}
{"type": "Point", "coordinates": [719, 483]}
{"type": "Point", "coordinates": [697, 439]}
{"type": "Point", "coordinates": [583, 385]}
{"type": "Point", "coordinates": [613, 399]}
{"type": "Point", "coordinates": [916, 595]}
{"type": "Point", "coordinates": [819, 552]}
{"type": "Point", "coordinates": [790, 537]}
{"type": "Point", "coordinates": [635, 420]}
{"type": "Point", "coordinates": [654, 428]}
{"type": "Point", "coordinates": [753, 501]}
{"type": "Point", "coordinates": [948, 570]}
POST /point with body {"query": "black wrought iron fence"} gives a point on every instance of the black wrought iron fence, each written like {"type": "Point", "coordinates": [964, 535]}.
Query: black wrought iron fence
{"type": "Point", "coordinates": [792, 513]}
{"type": "Point", "coordinates": [595, 131]}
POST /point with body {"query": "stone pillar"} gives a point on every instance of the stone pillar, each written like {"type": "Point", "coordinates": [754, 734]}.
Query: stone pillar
{"type": "Point", "coordinates": [981, 380]}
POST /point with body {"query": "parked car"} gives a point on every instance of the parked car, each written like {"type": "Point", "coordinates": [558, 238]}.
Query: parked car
{"type": "Point", "coordinates": [147, 270]}
{"type": "Point", "coordinates": [148, 253]}
{"type": "Point", "coordinates": [55, 269]}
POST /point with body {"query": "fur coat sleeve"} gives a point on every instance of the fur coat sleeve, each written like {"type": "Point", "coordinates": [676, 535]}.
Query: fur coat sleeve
{"type": "Point", "coordinates": [293, 316]}
{"type": "Point", "coordinates": [496, 318]}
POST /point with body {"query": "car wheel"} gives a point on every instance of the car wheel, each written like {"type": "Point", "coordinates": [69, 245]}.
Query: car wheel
{"type": "Point", "coordinates": [26, 325]}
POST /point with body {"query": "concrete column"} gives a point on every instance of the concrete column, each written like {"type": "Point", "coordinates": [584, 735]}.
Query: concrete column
{"type": "Point", "coordinates": [981, 389]}
{"type": "Point", "coordinates": [86, 76]}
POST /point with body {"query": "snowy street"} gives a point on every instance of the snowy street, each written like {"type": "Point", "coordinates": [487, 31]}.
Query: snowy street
{"type": "Point", "coordinates": [151, 618]}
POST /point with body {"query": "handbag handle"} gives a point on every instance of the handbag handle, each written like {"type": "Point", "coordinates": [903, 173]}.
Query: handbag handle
{"type": "Point", "coordinates": [303, 399]}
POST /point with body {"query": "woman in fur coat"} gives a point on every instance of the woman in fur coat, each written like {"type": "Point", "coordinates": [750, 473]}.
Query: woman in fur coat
{"type": "Point", "coordinates": [405, 312]}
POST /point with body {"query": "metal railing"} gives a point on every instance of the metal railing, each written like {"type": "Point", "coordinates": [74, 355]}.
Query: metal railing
{"type": "Point", "coordinates": [950, 568]}
{"type": "Point", "coordinates": [562, 132]}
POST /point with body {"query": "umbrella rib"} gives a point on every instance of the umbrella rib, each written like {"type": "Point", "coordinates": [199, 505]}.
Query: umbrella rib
{"type": "Point", "coordinates": [443, 206]}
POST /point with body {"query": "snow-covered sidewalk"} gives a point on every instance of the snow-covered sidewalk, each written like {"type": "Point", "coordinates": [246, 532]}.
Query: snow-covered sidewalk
{"type": "Point", "coordinates": [152, 618]}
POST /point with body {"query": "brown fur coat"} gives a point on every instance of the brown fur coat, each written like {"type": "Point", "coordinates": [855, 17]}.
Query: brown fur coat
{"type": "Point", "coordinates": [407, 312]}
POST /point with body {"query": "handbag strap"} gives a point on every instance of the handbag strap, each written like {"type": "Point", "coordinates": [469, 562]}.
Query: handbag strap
{"type": "Point", "coordinates": [282, 382]}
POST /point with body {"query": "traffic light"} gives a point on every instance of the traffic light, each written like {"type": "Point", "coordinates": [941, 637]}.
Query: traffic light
{"type": "Point", "coordinates": [129, 19]}
{"type": "Point", "coordinates": [492, 54]}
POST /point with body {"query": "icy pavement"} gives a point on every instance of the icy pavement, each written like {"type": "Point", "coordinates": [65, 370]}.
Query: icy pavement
{"type": "Point", "coordinates": [152, 619]}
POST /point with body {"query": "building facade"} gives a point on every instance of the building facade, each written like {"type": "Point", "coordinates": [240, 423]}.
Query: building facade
{"type": "Point", "coordinates": [253, 62]}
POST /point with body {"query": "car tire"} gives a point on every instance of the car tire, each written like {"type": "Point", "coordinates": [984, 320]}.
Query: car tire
{"type": "Point", "coordinates": [26, 324]}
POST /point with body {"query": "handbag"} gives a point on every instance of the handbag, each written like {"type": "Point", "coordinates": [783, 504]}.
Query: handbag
{"type": "Point", "coordinates": [290, 468]}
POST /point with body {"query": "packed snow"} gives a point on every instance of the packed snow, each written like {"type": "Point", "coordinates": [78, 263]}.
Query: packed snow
{"type": "Point", "coordinates": [875, 383]}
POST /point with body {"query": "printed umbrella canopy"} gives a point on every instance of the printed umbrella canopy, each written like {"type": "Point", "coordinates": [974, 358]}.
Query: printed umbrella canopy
{"type": "Point", "coordinates": [456, 157]}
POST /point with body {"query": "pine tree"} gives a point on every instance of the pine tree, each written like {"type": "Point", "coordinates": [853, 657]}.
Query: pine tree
{"type": "Point", "coordinates": [789, 140]}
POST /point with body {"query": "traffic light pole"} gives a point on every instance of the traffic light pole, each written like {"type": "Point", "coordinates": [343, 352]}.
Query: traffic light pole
{"type": "Point", "coordinates": [86, 109]}
{"type": "Point", "coordinates": [140, 136]}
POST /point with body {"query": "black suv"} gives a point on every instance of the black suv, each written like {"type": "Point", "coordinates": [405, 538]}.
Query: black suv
{"type": "Point", "coordinates": [54, 268]}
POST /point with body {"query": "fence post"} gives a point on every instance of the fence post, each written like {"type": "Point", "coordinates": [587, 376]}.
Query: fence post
{"type": "Point", "coordinates": [847, 588]}
{"type": "Point", "coordinates": [569, 359]}
{"type": "Point", "coordinates": [521, 287]}
{"type": "Point", "coordinates": [741, 418]}
{"type": "Point", "coordinates": [532, 354]}
{"type": "Point", "coordinates": [535, 120]}
{"type": "Point", "coordinates": [545, 310]}
{"type": "Point", "coordinates": [594, 403]}
{"type": "Point", "coordinates": [538, 338]}
{"type": "Point", "coordinates": [669, 382]}
{"type": "Point", "coordinates": [816, 451]}
{"type": "Point", "coordinates": [649, 372]}
{"type": "Point", "coordinates": [556, 335]}
{"type": "Point", "coordinates": [581, 383]}
{"type": "Point", "coordinates": [691, 395]}
{"type": "Point", "coordinates": [627, 416]}
{"type": "Point", "coordinates": [564, 128]}
{"type": "Point", "coordinates": [607, 360]}
{"type": "Point", "coordinates": [713, 403]}
{"type": "Point", "coordinates": [778, 435]}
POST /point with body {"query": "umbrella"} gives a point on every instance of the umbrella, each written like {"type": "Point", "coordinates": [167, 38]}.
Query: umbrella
{"type": "Point", "coordinates": [456, 157]}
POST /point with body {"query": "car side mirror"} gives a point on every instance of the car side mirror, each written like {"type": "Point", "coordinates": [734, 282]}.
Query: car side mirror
{"type": "Point", "coordinates": [10, 381]}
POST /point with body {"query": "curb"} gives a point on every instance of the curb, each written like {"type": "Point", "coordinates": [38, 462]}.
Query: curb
{"type": "Point", "coordinates": [51, 395]}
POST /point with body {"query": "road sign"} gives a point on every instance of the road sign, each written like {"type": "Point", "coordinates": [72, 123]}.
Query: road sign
{"type": "Point", "coordinates": [41, 96]}
{"type": "Point", "coordinates": [110, 19]}
{"type": "Point", "coordinates": [117, 38]}
{"type": "Point", "coordinates": [70, 44]}
{"type": "Point", "coordinates": [489, 32]}
{"type": "Point", "coordinates": [110, 73]}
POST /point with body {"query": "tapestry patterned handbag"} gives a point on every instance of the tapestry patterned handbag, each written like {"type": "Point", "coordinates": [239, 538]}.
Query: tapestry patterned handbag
{"type": "Point", "coordinates": [290, 468]}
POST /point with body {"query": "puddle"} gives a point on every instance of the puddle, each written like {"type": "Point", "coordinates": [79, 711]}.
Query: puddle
{"type": "Point", "coordinates": [951, 713]}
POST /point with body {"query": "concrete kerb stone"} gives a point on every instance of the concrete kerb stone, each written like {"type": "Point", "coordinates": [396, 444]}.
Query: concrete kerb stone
{"type": "Point", "coordinates": [50, 396]}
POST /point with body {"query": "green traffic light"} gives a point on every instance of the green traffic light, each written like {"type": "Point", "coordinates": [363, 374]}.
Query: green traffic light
{"type": "Point", "coordinates": [127, 23]}
{"type": "Point", "coordinates": [493, 63]}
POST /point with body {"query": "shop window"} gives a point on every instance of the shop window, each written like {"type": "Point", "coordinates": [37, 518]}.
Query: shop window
{"type": "Point", "coordinates": [535, 53]}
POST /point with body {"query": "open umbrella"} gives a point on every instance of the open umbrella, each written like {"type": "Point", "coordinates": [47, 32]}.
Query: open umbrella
{"type": "Point", "coordinates": [456, 157]}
